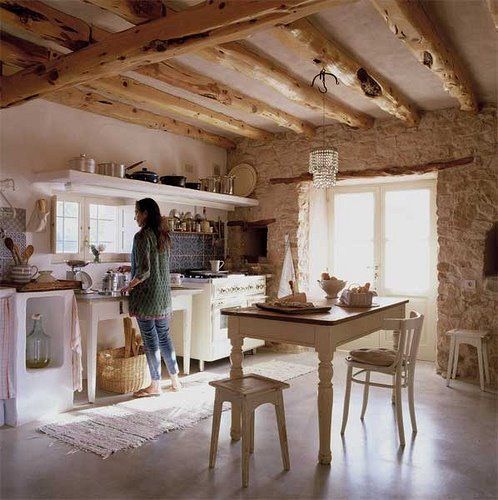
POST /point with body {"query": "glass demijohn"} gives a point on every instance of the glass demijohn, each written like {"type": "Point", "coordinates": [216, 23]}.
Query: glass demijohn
{"type": "Point", "coordinates": [37, 345]}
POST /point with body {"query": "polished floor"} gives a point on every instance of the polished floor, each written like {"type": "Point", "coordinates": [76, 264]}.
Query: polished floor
{"type": "Point", "coordinates": [454, 454]}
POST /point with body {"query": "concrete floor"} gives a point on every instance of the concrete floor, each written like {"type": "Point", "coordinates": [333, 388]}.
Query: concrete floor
{"type": "Point", "coordinates": [454, 454]}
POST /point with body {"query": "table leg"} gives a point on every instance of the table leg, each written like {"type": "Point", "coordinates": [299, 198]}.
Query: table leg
{"type": "Point", "coordinates": [187, 334]}
{"type": "Point", "coordinates": [325, 400]}
{"type": "Point", "coordinates": [91, 356]}
{"type": "Point", "coordinates": [236, 358]}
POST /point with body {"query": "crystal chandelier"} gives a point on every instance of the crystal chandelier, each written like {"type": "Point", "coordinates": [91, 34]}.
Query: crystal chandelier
{"type": "Point", "coordinates": [324, 161]}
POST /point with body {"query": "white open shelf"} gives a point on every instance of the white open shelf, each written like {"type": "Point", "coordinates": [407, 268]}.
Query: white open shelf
{"type": "Point", "coordinates": [104, 185]}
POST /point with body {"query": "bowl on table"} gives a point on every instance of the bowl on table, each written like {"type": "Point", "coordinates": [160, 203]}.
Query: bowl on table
{"type": "Point", "coordinates": [331, 287]}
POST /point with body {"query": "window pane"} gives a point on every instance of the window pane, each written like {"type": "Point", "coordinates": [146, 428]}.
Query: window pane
{"type": "Point", "coordinates": [70, 209]}
{"type": "Point", "coordinates": [67, 227]}
{"type": "Point", "coordinates": [104, 227]}
{"type": "Point", "coordinates": [353, 262]}
{"type": "Point", "coordinates": [407, 214]}
{"type": "Point", "coordinates": [354, 216]}
{"type": "Point", "coordinates": [70, 230]}
{"type": "Point", "coordinates": [407, 268]}
{"type": "Point", "coordinates": [71, 247]}
{"type": "Point", "coordinates": [93, 211]}
{"type": "Point", "coordinates": [107, 212]}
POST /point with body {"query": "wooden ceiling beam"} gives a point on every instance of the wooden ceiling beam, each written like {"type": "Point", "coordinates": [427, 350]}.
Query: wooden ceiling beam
{"type": "Point", "coordinates": [254, 65]}
{"type": "Point", "coordinates": [493, 10]}
{"type": "Point", "coordinates": [139, 94]}
{"type": "Point", "coordinates": [413, 26]}
{"type": "Point", "coordinates": [180, 33]}
{"type": "Point", "coordinates": [181, 76]}
{"type": "Point", "coordinates": [100, 105]}
{"type": "Point", "coordinates": [309, 43]}
{"type": "Point", "coordinates": [134, 11]}
{"type": "Point", "coordinates": [19, 53]}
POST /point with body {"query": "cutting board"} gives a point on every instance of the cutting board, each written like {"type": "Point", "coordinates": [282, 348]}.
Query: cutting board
{"type": "Point", "coordinates": [293, 310]}
{"type": "Point", "coordinates": [33, 286]}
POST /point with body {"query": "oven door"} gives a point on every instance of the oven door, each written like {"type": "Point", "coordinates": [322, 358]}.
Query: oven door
{"type": "Point", "coordinates": [220, 322]}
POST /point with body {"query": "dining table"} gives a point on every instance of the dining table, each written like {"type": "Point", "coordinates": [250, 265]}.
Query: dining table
{"type": "Point", "coordinates": [324, 332]}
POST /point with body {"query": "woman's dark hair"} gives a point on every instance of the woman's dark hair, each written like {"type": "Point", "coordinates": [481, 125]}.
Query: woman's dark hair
{"type": "Point", "coordinates": [154, 222]}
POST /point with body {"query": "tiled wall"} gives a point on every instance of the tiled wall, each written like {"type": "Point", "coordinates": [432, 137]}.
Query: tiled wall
{"type": "Point", "coordinates": [12, 228]}
{"type": "Point", "coordinates": [194, 251]}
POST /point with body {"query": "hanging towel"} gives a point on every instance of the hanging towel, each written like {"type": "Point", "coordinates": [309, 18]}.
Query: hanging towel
{"type": "Point", "coordinates": [288, 272]}
{"type": "Point", "coordinates": [7, 390]}
{"type": "Point", "coordinates": [76, 348]}
{"type": "Point", "coordinates": [39, 217]}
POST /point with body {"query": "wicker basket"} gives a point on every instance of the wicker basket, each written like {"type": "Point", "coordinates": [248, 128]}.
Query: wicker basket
{"type": "Point", "coordinates": [356, 299]}
{"type": "Point", "coordinates": [115, 373]}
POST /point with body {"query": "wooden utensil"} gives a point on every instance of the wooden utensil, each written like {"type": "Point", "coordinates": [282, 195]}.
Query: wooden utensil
{"type": "Point", "coordinates": [128, 332]}
{"type": "Point", "coordinates": [26, 255]}
{"type": "Point", "coordinates": [9, 243]}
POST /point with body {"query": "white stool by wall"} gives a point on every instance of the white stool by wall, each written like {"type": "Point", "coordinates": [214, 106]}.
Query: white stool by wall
{"type": "Point", "coordinates": [476, 338]}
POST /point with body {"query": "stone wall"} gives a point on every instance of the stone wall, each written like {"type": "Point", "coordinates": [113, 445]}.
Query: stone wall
{"type": "Point", "coordinates": [467, 200]}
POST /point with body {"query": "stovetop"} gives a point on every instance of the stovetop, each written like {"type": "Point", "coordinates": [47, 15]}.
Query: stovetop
{"type": "Point", "coordinates": [206, 276]}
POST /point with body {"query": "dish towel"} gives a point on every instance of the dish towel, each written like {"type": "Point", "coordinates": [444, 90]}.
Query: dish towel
{"type": "Point", "coordinates": [7, 390]}
{"type": "Point", "coordinates": [288, 272]}
{"type": "Point", "coordinates": [76, 348]}
{"type": "Point", "coordinates": [39, 217]}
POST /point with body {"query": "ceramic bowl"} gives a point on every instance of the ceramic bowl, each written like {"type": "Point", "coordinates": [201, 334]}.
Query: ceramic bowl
{"type": "Point", "coordinates": [332, 287]}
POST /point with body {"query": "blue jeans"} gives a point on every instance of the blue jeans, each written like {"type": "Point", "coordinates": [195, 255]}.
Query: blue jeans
{"type": "Point", "coordinates": [157, 341]}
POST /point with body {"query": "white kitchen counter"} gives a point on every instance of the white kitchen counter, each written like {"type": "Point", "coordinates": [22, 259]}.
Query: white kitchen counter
{"type": "Point", "coordinates": [93, 308]}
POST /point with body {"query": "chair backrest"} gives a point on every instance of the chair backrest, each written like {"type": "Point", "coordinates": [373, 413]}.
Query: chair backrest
{"type": "Point", "coordinates": [410, 330]}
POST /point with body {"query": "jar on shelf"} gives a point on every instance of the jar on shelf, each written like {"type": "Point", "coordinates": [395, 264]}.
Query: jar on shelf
{"type": "Point", "coordinates": [37, 345]}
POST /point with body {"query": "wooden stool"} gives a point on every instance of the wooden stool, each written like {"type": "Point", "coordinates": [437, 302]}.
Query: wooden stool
{"type": "Point", "coordinates": [478, 339]}
{"type": "Point", "coordinates": [249, 392]}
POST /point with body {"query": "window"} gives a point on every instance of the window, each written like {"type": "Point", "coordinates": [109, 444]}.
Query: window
{"type": "Point", "coordinates": [81, 222]}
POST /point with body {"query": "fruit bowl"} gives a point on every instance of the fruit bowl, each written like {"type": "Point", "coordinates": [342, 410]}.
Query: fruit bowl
{"type": "Point", "coordinates": [332, 287]}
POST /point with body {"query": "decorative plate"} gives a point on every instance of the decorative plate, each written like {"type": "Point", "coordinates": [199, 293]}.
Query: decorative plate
{"type": "Point", "coordinates": [245, 179]}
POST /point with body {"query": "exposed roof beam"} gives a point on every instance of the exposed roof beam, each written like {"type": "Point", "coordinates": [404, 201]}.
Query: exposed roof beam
{"type": "Point", "coordinates": [18, 53]}
{"type": "Point", "coordinates": [181, 76]}
{"type": "Point", "coordinates": [100, 105]}
{"type": "Point", "coordinates": [139, 94]}
{"type": "Point", "coordinates": [493, 10]}
{"type": "Point", "coordinates": [134, 11]}
{"type": "Point", "coordinates": [48, 23]}
{"type": "Point", "coordinates": [258, 67]}
{"type": "Point", "coordinates": [180, 33]}
{"type": "Point", "coordinates": [309, 43]}
{"type": "Point", "coordinates": [413, 26]}
{"type": "Point", "coordinates": [168, 72]}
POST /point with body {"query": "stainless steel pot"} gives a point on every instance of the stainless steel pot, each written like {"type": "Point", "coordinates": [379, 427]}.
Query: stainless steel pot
{"type": "Point", "coordinates": [211, 184]}
{"type": "Point", "coordinates": [226, 182]}
{"type": "Point", "coordinates": [82, 163]}
{"type": "Point", "coordinates": [113, 281]}
{"type": "Point", "coordinates": [112, 169]}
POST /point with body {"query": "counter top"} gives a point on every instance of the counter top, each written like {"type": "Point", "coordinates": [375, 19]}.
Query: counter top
{"type": "Point", "coordinates": [90, 297]}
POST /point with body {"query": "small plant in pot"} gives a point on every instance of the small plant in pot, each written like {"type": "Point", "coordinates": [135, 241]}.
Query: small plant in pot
{"type": "Point", "coordinates": [97, 250]}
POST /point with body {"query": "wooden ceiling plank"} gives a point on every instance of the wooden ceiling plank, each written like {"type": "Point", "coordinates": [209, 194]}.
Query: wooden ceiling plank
{"type": "Point", "coordinates": [181, 76]}
{"type": "Point", "coordinates": [15, 56]}
{"type": "Point", "coordinates": [139, 94]}
{"type": "Point", "coordinates": [180, 33]}
{"type": "Point", "coordinates": [100, 105]}
{"type": "Point", "coordinates": [254, 65]}
{"type": "Point", "coordinates": [134, 11]}
{"type": "Point", "coordinates": [309, 43]}
{"type": "Point", "coordinates": [413, 26]}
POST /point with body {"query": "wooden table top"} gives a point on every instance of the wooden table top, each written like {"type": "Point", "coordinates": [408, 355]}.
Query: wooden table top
{"type": "Point", "coordinates": [338, 314]}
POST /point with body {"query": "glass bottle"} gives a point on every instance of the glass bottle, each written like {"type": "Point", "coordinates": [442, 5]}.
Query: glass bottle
{"type": "Point", "coordinates": [37, 345]}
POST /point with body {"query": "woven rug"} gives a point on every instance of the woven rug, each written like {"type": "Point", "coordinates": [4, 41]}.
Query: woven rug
{"type": "Point", "coordinates": [108, 429]}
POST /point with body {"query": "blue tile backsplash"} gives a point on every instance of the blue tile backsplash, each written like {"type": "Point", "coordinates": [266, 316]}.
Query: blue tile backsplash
{"type": "Point", "coordinates": [14, 228]}
{"type": "Point", "coordinates": [194, 251]}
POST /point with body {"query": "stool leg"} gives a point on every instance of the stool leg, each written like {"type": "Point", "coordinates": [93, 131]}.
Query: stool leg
{"type": "Point", "coordinates": [347, 397]}
{"type": "Point", "coordinates": [246, 443]}
{"type": "Point", "coordinates": [486, 361]}
{"type": "Point", "coordinates": [218, 403]}
{"type": "Point", "coordinates": [365, 395]}
{"type": "Point", "coordinates": [282, 431]}
{"type": "Point", "coordinates": [450, 360]}
{"type": "Point", "coordinates": [481, 364]}
{"type": "Point", "coordinates": [252, 431]}
{"type": "Point", "coordinates": [455, 358]}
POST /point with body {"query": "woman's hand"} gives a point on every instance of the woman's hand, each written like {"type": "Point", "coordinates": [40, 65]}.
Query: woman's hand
{"type": "Point", "coordinates": [124, 269]}
{"type": "Point", "coordinates": [126, 290]}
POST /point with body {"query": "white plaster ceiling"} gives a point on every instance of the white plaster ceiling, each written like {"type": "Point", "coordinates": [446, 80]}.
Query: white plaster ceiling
{"type": "Point", "coordinates": [466, 24]}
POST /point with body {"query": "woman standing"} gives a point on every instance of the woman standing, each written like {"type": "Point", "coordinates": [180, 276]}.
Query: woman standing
{"type": "Point", "coordinates": [150, 294]}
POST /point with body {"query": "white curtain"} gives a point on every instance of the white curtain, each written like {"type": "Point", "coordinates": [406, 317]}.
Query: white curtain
{"type": "Point", "coordinates": [319, 240]}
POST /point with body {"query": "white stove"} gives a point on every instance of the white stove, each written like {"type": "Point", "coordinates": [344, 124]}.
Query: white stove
{"type": "Point", "coordinates": [209, 327]}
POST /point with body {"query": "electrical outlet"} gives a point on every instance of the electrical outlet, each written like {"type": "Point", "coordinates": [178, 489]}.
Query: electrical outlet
{"type": "Point", "coordinates": [469, 285]}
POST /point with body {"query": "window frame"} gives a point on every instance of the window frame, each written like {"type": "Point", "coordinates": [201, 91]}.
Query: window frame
{"type": "Point", "coordinates": [84, 252]}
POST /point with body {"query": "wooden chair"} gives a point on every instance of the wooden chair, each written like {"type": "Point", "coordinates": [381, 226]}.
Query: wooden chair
{"type": "Point", "coordinates": [400, 364]}
{"type": "Point", "coordinates": [249, 392]}
{"type": "Point", "coordinates": [477, 338]}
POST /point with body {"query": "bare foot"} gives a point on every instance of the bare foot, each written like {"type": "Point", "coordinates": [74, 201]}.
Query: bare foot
{"type": "Point", "coordinates": [154, 389]}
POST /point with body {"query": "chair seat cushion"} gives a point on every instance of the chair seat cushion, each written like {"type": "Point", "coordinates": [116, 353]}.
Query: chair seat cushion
{"type": "Point", "coordinates": [377, 356]}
